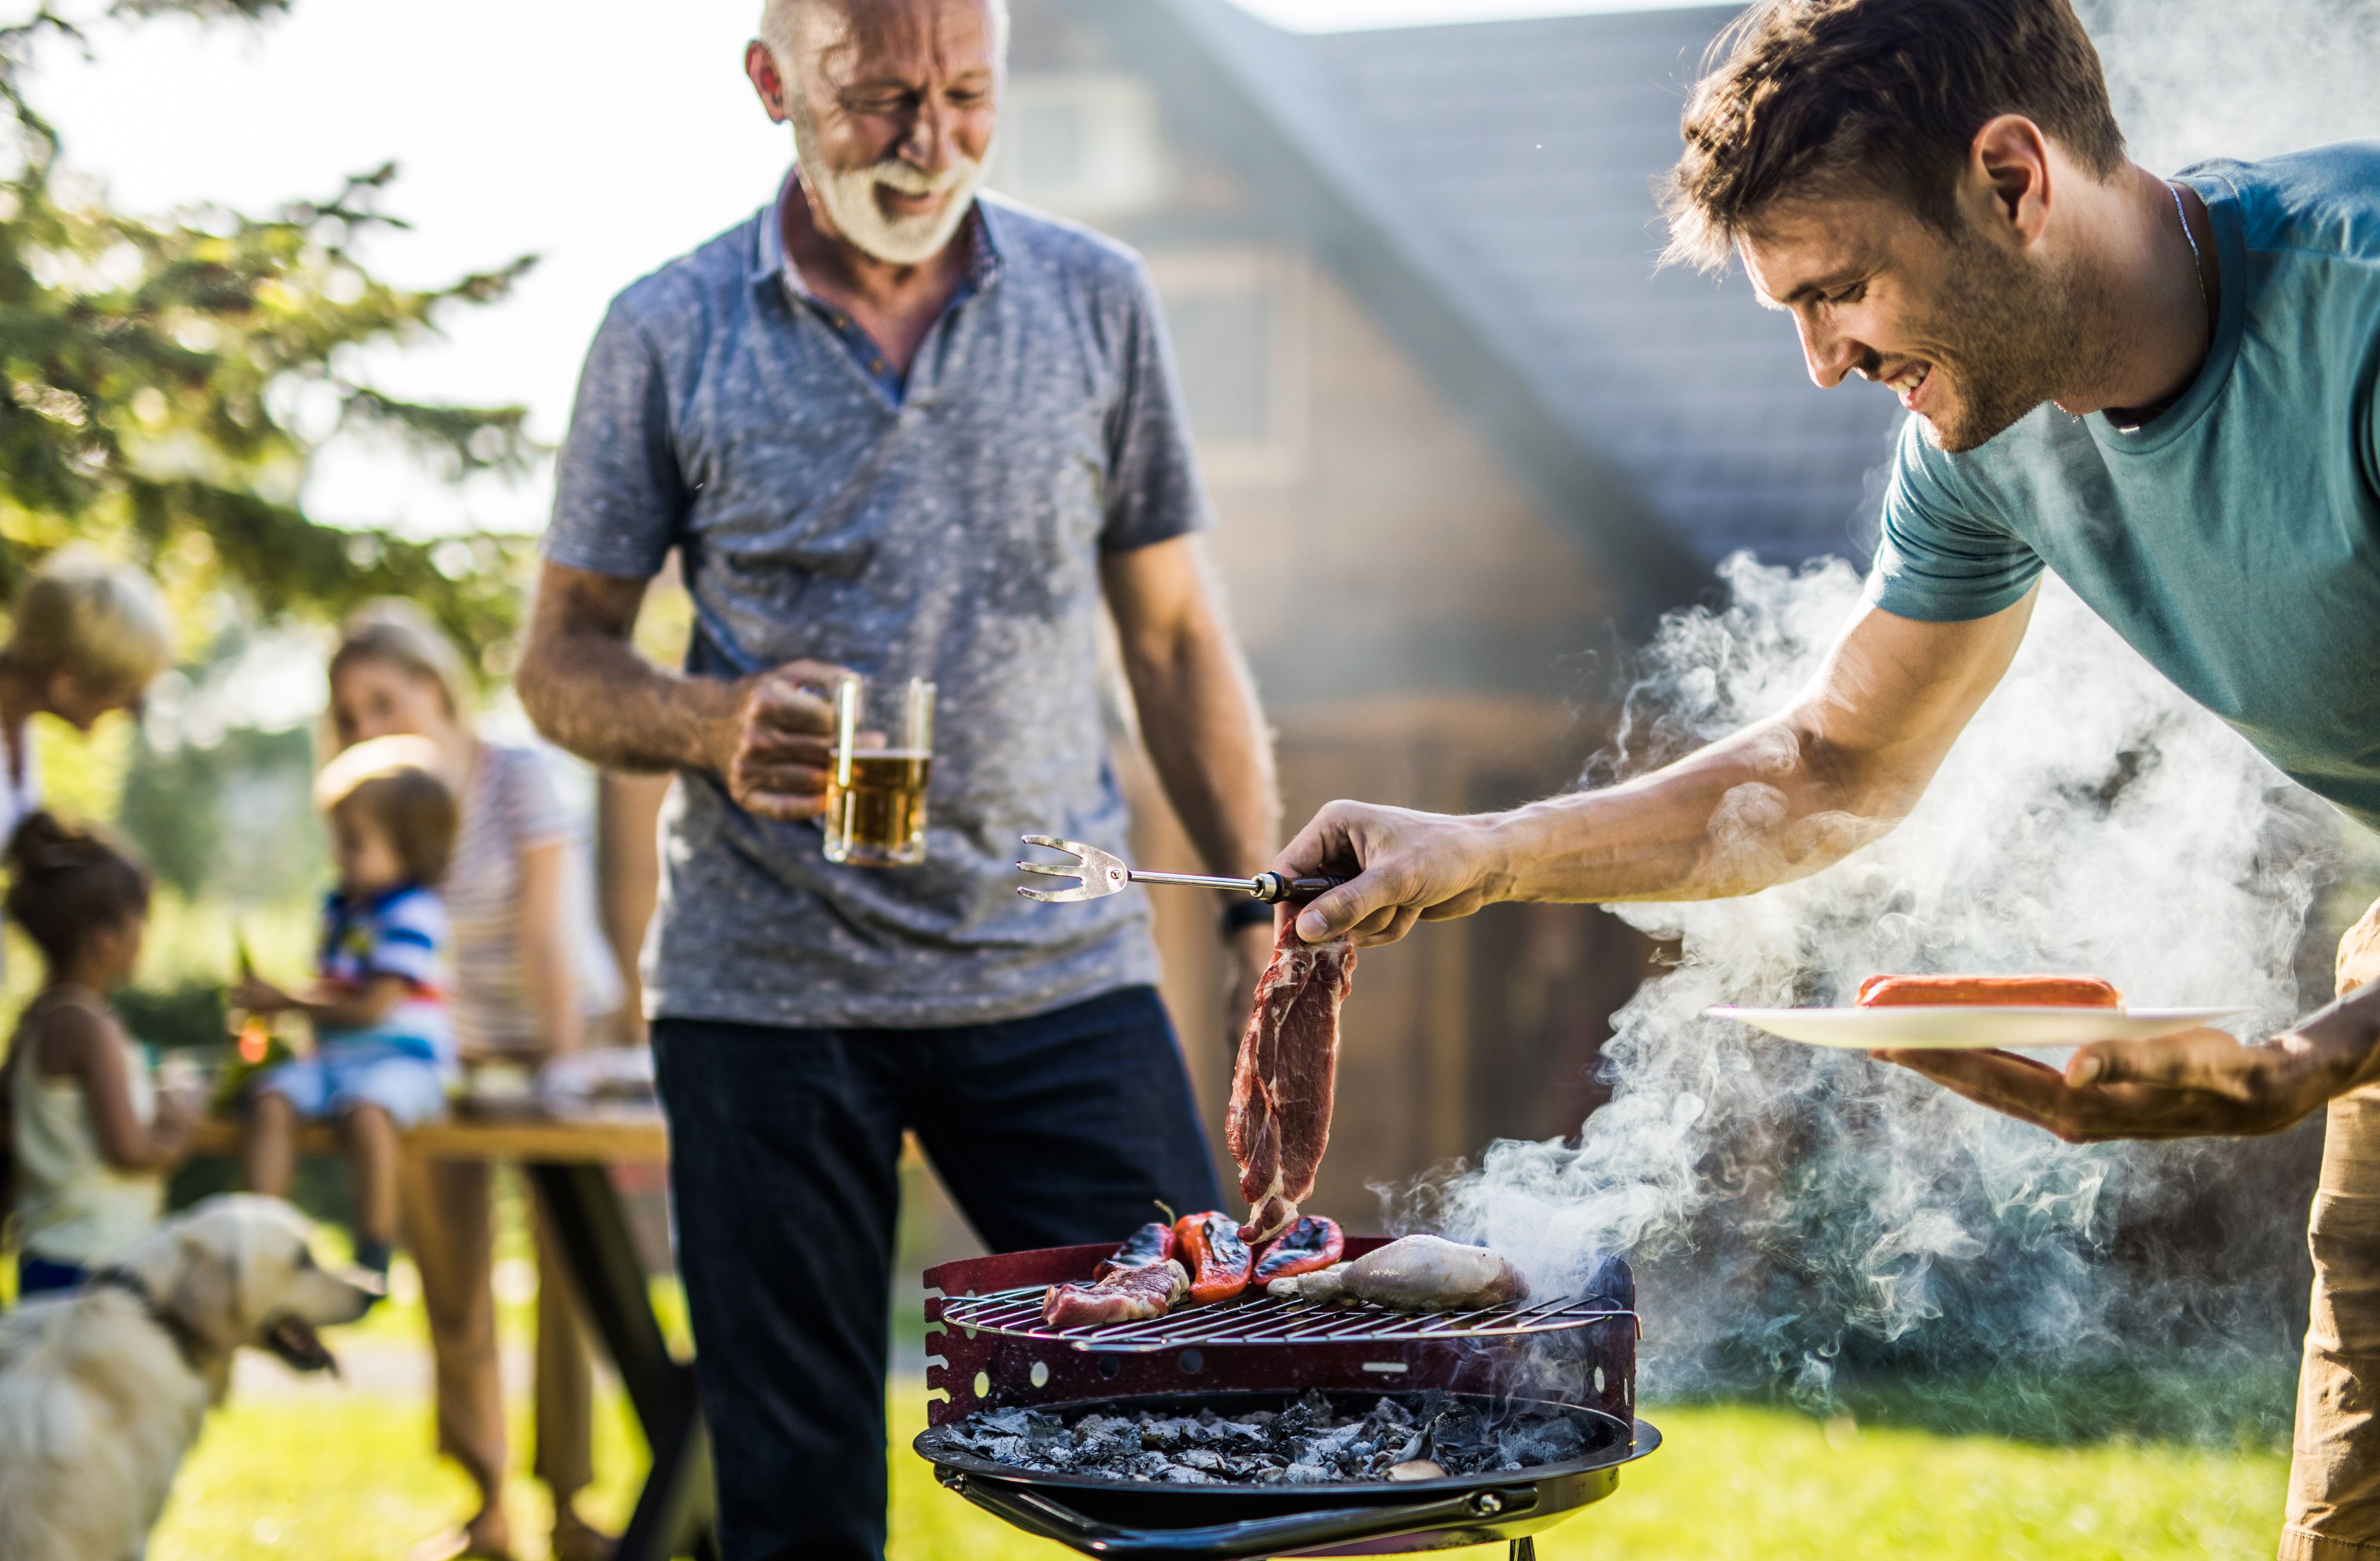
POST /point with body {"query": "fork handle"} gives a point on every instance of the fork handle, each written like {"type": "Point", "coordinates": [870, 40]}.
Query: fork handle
{"type": "Point", "coordinates": [1272, 888]}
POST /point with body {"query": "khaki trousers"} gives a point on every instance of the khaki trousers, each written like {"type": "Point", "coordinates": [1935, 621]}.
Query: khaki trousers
{"type": "Point", "coordinates": [450, 1227]}
{"type": "Point", "coordinates": [2333, 1506]}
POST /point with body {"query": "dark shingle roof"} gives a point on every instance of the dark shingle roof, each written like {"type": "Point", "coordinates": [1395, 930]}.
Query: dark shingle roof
{"type": "Point", "coordinates": [1514, 163]}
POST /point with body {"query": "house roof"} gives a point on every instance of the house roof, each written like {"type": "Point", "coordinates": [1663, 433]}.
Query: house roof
{"type": "Point", "coordinates": [1488, 189]}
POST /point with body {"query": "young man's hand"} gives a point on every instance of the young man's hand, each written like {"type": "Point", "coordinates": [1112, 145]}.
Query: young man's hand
{"type": "Point", "coordinates": [2190, 1085]}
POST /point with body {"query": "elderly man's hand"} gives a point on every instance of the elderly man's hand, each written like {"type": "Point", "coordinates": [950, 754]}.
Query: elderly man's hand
{"type": "Point", "coordinates": [775, 749]}
{"type": "Point", "coordinates": [1406, 867]}
{"type": "Point", "coordinates": [2190, 1085]}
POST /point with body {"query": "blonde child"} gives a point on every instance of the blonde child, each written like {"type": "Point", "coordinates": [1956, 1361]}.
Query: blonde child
{"type": "Point", "coordinates": [384, 1047]}
{"type": "Point", "coordinates": [90, 1137]}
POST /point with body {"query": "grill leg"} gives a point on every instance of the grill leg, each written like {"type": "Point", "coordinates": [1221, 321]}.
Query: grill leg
{"type": "Point", "coordinates": [1525, 1548]}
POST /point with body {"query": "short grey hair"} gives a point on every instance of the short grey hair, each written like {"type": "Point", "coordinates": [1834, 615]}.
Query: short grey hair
{"type": "Point", "coordinates": [781, 29]}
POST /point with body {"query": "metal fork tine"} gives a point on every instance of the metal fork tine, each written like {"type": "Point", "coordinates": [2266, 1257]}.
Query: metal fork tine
{"type": "Point", "coordinates": [1053, 869]}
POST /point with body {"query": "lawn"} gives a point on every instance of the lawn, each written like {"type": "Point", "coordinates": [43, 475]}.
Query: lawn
{"type": "Point", "coordinates": [333, 1477]}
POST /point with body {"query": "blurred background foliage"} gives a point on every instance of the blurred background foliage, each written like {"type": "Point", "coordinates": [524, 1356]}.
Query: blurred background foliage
{"type": "Point", "coordinates": [164, 380]}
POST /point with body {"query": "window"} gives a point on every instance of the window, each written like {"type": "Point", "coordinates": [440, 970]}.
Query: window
{"type": "Point", "coordinates": [1237, 318]}
{"type": "Point", "coordinates": [1085, 144]}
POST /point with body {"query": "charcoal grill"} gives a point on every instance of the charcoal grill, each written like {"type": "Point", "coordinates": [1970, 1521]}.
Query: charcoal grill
{"type": "Point", "coordinates": [994, 1351]}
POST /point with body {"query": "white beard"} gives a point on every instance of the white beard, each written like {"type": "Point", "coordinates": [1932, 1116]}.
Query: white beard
{"type": "Point", "coordinates": [849, 198]}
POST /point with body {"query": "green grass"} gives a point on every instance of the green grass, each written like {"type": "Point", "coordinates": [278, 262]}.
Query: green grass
{"type": "Point", "coordinates": [350, 1478]}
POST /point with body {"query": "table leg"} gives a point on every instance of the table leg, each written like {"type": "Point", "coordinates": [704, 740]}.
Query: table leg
{"type": "Point", "coordinates": [674, 1512]}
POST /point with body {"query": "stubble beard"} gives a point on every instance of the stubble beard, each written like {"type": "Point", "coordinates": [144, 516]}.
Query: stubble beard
{"type": "Point", "coordinates": [2011, 335]}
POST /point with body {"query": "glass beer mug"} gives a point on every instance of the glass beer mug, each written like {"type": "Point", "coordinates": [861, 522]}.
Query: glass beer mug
{"type": "Point", "coordinates": [876, 778]}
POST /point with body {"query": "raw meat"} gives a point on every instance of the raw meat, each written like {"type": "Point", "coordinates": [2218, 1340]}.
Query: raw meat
{"type": "Point", "coordinates": [1128, 1295]}
{"type": "Point", "coordinates": [1310, 1243]}
{"type": "Point", "coordinates": [1992, 991]}
{"type": "Point", "coordinates": [1417, 1274]}
{"type": "Point", "coordinates": [1279, 1117]}
{"type": "Point", "coordinates": [1208, 1245]}
{"type": "Point", "coordinates": [1152, 1243]}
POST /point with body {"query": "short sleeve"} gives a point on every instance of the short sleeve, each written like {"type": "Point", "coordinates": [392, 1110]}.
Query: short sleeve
{"type": "Point", "coordinates": [534, 813]}
{"type": "Point", "coordinates": [1943, 557]}
{"type": "Point", "coordinates": [1154, 494]}
{"type": "Point", "coordinates": [409, 942]}
{"type": "Point", "coordinates": [619, 493]}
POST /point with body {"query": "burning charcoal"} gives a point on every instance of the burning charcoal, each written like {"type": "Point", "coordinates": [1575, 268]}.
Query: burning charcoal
{"type": "Point", "coordinates": [1241, 1437]}
{"type": "Point", "coordinates": [1308, 1474]}
{"type": "Point", "coordinates": [1165, 1434]}
{"type": "Point", "coordinates": [1147, 1466]}
{"type": "Point", "coordinates": [1460, 1439]}
{"type": "Point", "coordinates": [1538, 1439]}
{"type": "Point", "coordinates": [1183, 1474]}
{"type": "Point", "coordinates": [1201, 1459]}
{"type": "Point", "coordinates": [1331, 1443]}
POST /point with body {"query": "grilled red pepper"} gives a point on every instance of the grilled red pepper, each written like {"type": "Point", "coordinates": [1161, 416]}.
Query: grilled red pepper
{"type": "Point", "coordinates": [1310, 1243]}
{"type": "Point", "coordinates": [1152, 1243]}
{"type": "Point", "coordinates": [1208, 1245]}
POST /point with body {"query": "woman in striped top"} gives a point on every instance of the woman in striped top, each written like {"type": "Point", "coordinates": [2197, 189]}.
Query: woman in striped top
{"type": "Point", "coordinates": [530, 975]}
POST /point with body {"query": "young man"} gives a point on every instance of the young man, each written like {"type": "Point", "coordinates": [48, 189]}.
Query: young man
{"type": "Point", "coordinates": [893, 427]}
{"type": "Point", "coordinates": [2168, 391]}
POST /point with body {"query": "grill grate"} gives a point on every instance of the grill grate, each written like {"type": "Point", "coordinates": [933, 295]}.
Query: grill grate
{"type": "Point", "coordinates": [1269, 1320]}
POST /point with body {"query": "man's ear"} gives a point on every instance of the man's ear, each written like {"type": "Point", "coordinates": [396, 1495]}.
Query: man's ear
{"type": "Point", "coordinates": [2007, 165]}
{"type": "Point", "coordinates": [761, 65]}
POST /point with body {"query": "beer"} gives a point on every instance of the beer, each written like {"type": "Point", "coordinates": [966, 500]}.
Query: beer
{"type": "Point", "coordinates": [876, 778]}
{"type": "Point", "coordinates": [876, 807]}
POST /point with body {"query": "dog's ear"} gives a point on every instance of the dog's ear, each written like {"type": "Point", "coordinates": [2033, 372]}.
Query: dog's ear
{"type": "Point", "coordinates": [205, 1294]}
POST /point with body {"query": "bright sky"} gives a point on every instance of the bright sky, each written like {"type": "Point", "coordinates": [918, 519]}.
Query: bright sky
{"type": "Point", "coordinates": [584, 132]}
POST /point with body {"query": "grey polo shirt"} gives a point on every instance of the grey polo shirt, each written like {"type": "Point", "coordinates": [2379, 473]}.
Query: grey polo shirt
{"type": "Point", "coordinates": [948, 527]}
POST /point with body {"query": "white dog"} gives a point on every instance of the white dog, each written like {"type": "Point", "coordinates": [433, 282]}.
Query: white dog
{"type": "Point", "coordinates": [103, 1389]}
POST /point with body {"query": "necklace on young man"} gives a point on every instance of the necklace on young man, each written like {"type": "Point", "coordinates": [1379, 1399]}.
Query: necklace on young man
{"type": "Point", "coordinates": [2133, 420]}
{"type": "Point", "coordinates": [2197, 261]}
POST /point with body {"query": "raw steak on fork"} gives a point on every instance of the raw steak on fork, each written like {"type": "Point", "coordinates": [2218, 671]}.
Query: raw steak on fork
{"type": "Point", "coordinates": [1281, 1089]}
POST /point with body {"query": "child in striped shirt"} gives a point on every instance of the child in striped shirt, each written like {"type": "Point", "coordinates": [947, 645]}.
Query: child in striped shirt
{"type": "Point", "coordinates": [385, 1047]}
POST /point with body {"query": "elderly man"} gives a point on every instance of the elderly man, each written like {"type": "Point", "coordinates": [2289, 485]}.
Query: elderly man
{"type": "Point", "coordinates": [2168, 391]}
{"type": "Point", "coordinates": [892, 426]}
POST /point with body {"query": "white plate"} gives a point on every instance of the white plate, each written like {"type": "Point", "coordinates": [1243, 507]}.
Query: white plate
{"type": "Point", "coordinates": [1971, 1026]}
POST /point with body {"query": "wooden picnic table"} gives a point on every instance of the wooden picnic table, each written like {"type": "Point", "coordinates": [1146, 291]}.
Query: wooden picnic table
{"type": "Point", "coordinates": [564, 1157]}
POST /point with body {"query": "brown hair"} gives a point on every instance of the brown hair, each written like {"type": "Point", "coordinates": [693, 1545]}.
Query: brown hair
{"type": "Point", "coordinates": [1882, 94]}
{"type": "Point", "coordinates": [396, 633]}
{"type": "Point", "coordinates": [69, 883]}
{"type": "Point", "coordinates": [392, 782]}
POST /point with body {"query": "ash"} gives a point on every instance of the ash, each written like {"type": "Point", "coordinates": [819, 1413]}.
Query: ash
{"type": "Point", "coordinates": [1309, 1443]}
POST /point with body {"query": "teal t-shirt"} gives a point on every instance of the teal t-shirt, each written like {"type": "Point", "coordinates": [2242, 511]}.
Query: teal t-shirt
{"type": "Point", "coordinates": [2234, 541]}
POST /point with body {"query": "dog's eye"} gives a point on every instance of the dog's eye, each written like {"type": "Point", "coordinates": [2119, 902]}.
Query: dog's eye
{"type": "Point", "coordinates": [305, 1257]}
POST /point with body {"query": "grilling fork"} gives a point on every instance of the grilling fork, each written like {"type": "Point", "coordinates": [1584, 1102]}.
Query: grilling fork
{"type": "Point", "coordinates": [1103, 872]}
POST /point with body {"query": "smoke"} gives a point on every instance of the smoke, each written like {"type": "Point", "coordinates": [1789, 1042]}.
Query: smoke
{"type": "Point", "coordinates": [1791, 1210]}
{"type": "Point", "coordinates": [2244, 79]}
{"type": "Point", "coordinates": [1793, 1214]}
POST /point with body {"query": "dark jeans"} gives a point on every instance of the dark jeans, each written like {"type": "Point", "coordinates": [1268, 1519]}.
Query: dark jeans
{"type": "Point", "coordinates": [1050, 1131]}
